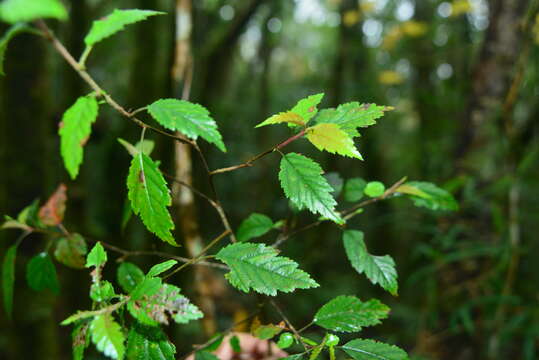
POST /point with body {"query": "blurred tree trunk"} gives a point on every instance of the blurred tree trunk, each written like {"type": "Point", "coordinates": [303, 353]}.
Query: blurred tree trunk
{"type": "Point", "coordinates": [491, 79]}
{"type": "Point", "coordinates": [182, 73]}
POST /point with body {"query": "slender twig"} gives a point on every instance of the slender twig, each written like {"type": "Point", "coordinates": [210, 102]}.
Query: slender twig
{"type": "Point", "coordinates": [60, 48]}
{"type": "Point", "coordinates": [199, 256]}
{"type": "Point", "coordinates": [288, 323]}
{"type": "Point", "coordinates": [346, 214]}
{"type": "Point", "coordinates": [250, 162]}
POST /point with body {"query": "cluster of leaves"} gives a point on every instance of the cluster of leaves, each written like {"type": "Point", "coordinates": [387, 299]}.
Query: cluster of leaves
{"type": "Point", "coordinates": [252, 266]}
{"type": "Point", "coordinates": [148, 300]}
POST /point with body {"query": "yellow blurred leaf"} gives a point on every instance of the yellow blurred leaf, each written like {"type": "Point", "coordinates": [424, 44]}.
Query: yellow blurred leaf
{"type": "Point", "coordinates": [350, 17]}
{"type": "Point", "coordinates": [390, 77]}
{"type": "Point", "coordinates": [414, 28]}
{"type": "Point", "coordinates": [367, 6]}
{"type": "Point", "coordinates": [331, 138]}
{"type": "Point", "coordinates": [535, 29]}
{"type": "Point", "coordinates": [459, 7]}
{"type": "Point", "coordinates": [391, 38]}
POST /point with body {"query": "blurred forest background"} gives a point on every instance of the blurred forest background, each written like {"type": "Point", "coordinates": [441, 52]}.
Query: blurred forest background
{"type": "Point", "coordinates": [463, 77]}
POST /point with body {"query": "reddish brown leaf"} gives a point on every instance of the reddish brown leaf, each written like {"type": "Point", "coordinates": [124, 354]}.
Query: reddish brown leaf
{"type": "Point", "coordinates": [52, 213]}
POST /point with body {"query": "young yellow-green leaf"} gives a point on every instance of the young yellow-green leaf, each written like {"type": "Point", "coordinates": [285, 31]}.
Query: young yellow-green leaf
{"type": "Point", "coordinates": [254, 226]}
{"type": "Point", "coordinates": [71, 251]}
{"type": "Point", "coordinates": [362, 349]}
{"type": "Point", "coordinates": [148, 343]}
{"type": "Point", "coordinates": [374, 189]}
{"type": "Point", "coordinates": [307, 108]}
{"type": "Point", "coordinates": [4, 41]}
{"type": "Point", "coordinates": [8, 278]}
{"type": "Point", "coordinates": [302, 181]}
{"type": "Point", "coordinates": [257, 267]}
{"type": "Point", "coordinates": [13, 11]}
{"type": "Point", "coordinates": [97, 256]}
{"type": "Point", "coordinates": [192, 120]}
{"type": "Point", "coordinates": [75, 129]}
{"type": "Point", "coordinates": [431, 196]}
{"type": "Point", "coordinates": [150, 197]}
{"type": "Point", "coordinates": [129, 276]}
{"type": "Point", "coordinates": [146, 146]}
{"type": "Point", "coordinates": [351, 116]}
{"type": "Point", "coordinates": [299, 115]}
{"type": "Point", "coordinates": [107, 336]}
{"type": "Point", "coordinates": [330, 138]}
{"type": "Point", "coordinates": [284, 117]}
{"type": "Point", "coordinates": [115, 22]}
{"type": "Point", "coordinates": [155, 308]}
{"type": "Point", "coordinates": [318, 349]}
{"type": "Point", "coordinates": [349, 314]}
{"type": "Point", "coordinates": [161, 267]}
{"type": "Point", "coordinates": [353, 189]}
{"type": "Point", "coordinates": [379, 269]}
{"type": "Point", "coordinates": [41, 274]}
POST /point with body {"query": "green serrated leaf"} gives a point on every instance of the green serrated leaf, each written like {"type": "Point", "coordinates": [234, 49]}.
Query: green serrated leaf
{"type": "Point", "coordinates": [8, 279]}
{"type": "Point", "coordinates": [257, 267]}
{"type": "Point", "coordinates": [362, 349]}
{"type": "Point", "coordinates": [351, 116]}
{"type": "Point", "coordinates": [330, 138]}
{"type": "Point", "coordinates": [75, 129]}
{"type": "Point", "coordinates": [4, 41]}
{"type": "Point", "coordinates": [266, 332]}
{"type": "Point", "coordinates": [13, 11]}
{"type": "Point", "coordinates": [41, 274]}
{"type": "Point", "coordinates": [148, 343]}
{"type": "Point", "coordinates": [161, 267]}
{"type": "Point", "coordinates": [374, 189]}
{"type": "Point", "coordinates": [29, 215]}
{"type": "Point", "coordinates": [71, 251]}
{"type": "Point", "coordinates": [81, 339]}
{"type": "Point", "coordinates": [107, 336]}
{"type": "Point", "coordinates": [97, 256]}
{"type": "Point", "coordinates": [436, 198]}
{"type": "Point", "coordinates": [349, 314]}
{"type": "Point", "coordinates": [115, 22]}
{"type": "Point", "coordinates": [147, 287]}
{"type": "Point", "coordinates": [155, 308]}
{"type": "Point", "coordinates": [192, 120]}
{"type": "Point", "coordinates": [379, 269]}
{"type": "Point", "coordinates": [254, 226]}
{"type": "Point", "coordinates": [150, 197]}
{"type": "Point", "coordinates": [353, 189]}
{"type": "Point", "coordinates": [302, 181]}
{"type": "Point", "coordinates": [129, 276]}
